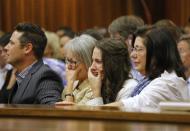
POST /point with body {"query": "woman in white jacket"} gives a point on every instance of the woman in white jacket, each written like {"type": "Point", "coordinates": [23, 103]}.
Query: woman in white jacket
{"type": "Point", "coordinates": [155, 56]}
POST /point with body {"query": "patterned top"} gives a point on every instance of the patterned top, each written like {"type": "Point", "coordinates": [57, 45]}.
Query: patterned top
{"type": "Point", "coordinates": [82, 93]}
{"type": "Point", "coordinates": [20, 76]}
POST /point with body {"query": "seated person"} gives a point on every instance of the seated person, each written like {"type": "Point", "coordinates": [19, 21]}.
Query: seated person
{"type": "Point", "coordinates": [7, 74]}
{"type": "Point", "coordinates": [124, 27]}
{"type": "Point", "coordinates": [63, 40]}
{"type": "Point", "coordinates": [184, 51]}
{"type": "Point", "coordinates": [78, 54]}
{"type": "Point", "coordinates": [155, 55]}
{"type": "Point", "coordinates": [65, 31]}
{"type": "Point", "coordinates": [109, 74]}
{"type": "Point", "coordinates": [36, 83]}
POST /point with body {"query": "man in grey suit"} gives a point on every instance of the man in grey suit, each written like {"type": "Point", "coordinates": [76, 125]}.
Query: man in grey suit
{"type": "Point", "coordinates": [35, 83]}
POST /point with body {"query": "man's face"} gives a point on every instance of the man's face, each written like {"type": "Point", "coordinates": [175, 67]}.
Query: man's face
{"type": "Point", "coordinates": [15, 52]}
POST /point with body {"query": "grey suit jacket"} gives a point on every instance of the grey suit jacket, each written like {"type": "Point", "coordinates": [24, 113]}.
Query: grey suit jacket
{"type": "Point", "coordinates": [41, 86]}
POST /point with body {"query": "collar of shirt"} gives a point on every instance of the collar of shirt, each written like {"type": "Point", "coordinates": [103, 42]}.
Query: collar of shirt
{"type": "Point", "coordinates": [20, 76]}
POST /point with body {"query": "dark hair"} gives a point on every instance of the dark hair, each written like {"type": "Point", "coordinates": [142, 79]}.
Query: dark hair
{"type": "Point", "coordinates": [162, 53]}
{"type": "Point", "coordinates": [32, 33]}
{"type": "Point", "coordinates": [4, 39]}
{"type": "Point", "coordinates": [69, 34]}
{"type": "Point", "coordinates": [125, 25]}
{"type": "Point", "coordinates": [67, 31]}
{"type": "Point", "coordinates": [165, 23]}
{"type": "Point", "coordinates": [65, 28]}
{"type": "Point", "coordinates": [172, 27]}
{"type": "Point", "coordinates": [116, 65]}
{"type": "Point", "coordinates": [141, 32]}
{"type": "Point", "coordinates": [94, 33]}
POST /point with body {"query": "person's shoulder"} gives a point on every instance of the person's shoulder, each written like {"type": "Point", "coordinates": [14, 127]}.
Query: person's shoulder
{"type": "Point", "coordinates": [170, 77]}
{"type": "Point", "coordinates": [170, 80]}
{"type": "Point", "coordinates": [131, 81]}
{"type": "Point", "coordinates": [45, 70]}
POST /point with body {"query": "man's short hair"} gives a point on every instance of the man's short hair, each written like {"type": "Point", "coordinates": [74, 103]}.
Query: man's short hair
{"type": "Point", "coordinates": [33, 33]}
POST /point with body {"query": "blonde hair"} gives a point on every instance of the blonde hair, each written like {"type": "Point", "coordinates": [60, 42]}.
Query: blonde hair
{"type": "Point", "coordinates": [53, 42]}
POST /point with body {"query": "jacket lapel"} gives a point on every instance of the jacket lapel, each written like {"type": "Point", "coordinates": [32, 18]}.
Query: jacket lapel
{"type": "Point", "coordinates": [26, 82]}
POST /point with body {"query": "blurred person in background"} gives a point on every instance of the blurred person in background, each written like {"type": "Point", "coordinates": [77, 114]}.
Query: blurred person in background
{"type": "Point", "coordinates": [68, 35]}
{"type": "Point", "coordinates": [51, 54]}
{"type": "Point", "coordinates": [7, 74]}
{"type": "Point", "coordinates": [184, 51]}
{"type": "Point", "coordinates": [65, 30]}
{"type": "Point", "coordinates": [124, 27]}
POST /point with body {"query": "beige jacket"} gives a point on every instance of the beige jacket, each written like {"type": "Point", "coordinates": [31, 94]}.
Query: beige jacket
{"type": "Point", "coordinates": [82, 93]}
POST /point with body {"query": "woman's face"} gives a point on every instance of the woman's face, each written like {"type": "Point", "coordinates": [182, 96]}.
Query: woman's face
{"type": "Point", "coordinates": [138, 55]}
{"type": "Point", "coordinates": [97, 65]}
{"type": "Point", "coordinates": [73, 63]}
{"type": "Point", "coordinates": [184, 52]}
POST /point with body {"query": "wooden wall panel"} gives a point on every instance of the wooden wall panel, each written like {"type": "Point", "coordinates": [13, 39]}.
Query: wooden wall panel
{"type": "Point", "coordinates": [0, 15]}
{"type": "Point", "coordinates": [79, 14]}
{"type": "Point", "coordinates": [82, 14]}
{"type": "Point", "coordinates": [178, 11]}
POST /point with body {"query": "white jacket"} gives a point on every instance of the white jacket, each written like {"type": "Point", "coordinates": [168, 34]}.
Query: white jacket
{"type": "Point", "coordinates": [168, 87]}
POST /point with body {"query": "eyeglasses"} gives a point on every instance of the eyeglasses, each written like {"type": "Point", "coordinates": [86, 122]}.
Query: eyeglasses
{"type": "Point", "coordinates": [137, 50]}
{"type": "Point", "coordinates": [71, 62]}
